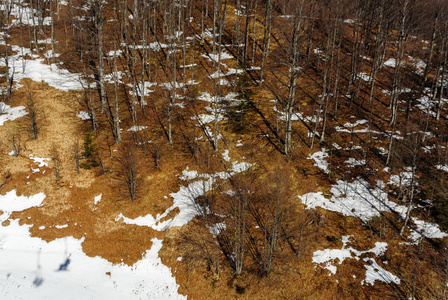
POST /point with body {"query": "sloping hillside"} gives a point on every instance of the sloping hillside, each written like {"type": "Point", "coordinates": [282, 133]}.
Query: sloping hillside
{"type": "Point", "coordinates": [223, 149]}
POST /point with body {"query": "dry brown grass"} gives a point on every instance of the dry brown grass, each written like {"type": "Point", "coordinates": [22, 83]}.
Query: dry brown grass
{"type": "Point", "coordinates": [73, 202]}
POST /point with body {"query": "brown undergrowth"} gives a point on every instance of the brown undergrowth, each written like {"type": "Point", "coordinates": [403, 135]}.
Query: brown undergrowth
{"type": "Point", "coordinates": [191, 251]}
{"type": "Point", "coordinates": [70, 203]}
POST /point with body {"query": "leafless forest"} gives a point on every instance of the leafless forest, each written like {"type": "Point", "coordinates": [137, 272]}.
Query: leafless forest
{"type": "Point", "coordinates": [306, 95]}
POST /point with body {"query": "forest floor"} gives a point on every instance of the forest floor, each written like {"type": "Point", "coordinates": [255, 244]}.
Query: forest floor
{"type": "Point", "coordinates": [75, 233]}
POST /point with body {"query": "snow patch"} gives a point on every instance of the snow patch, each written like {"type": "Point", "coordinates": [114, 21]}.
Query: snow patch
{"type": "Point", "coordinates": [29, 265]}
{"type": "Point", "coordinates": [426, 229]}
{"type": "Point", "coordinates": [358, 200]}
{"type": "Point", "coordinates": [215, 57]}
{"type": "Point", "coordinates": [354, 199]}
{"type": "Point", "coordinates": [42, 162]}
{"type": "Point", "coordinates": [11, 202]}
{"type": "Point", "coordinates": [225, 155]}
{"type": "Point", "coordinates": [83, 115]}
{"type": "Point", "coordinates": [137, 128]}
{"type": "Point", "coordinates": [319, 159]}
{"type": "Point", "coordinates": [353, 162]}
{"type": "Point", "coordinates": [364, 76]}
{"type": "Point", "coordinates": [97, 199]}
{"type": "Point", "coordinates": [327, 257]}
{"type": "Point", "coordinates": [38, 71]}
{"type": "Point", "coordinates": [442, 167]}
{"type": "Point", "coordinates": [217, 228]}
{"type": "Point", "coordinates": [390, 63]}
{"type": "Point", "coordinates": [404, 179]}
{"type": "Point", "coordinates": [86, 277]}
{"type": "Point", "coordinates": [8, 113]}
{"type": "Point", "coordinates": [376, 272]}
{"type": "Point", "coordinates": [184, 199]}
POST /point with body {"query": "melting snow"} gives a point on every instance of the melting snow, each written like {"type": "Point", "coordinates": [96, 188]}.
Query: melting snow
{"type": "Point", "coordinates": [42, 162]}
{"type": "Point", "coordinates": [225, 155]}
{"type": "Point", "coordinates": [427, 105]}
{"type": "Point", "coordinates": [354, 199]}
{"type": "Point", "coordinates": [8, 113]}
{"type": "Point", "coordinates": [403, 179]}
{"type": "Point", "coordinates": [382, 151]}
{"type": "Point", "coordinates": [10, 203]}
{"type": "Point", "coordinates": [30, 265]}
{"type": "Point", "coordinates": [353, 162]}
{"type": "Point", "coordinates": [327, 258]}
{"type": "Point", "coordinates": [26, 16]}
{"type": "Point", "coordinates": [376, 272]}
{"type": "Point", "coordinates": [83, 115]}
{"type": "Point", "coordinates": [442, 167]}
{"type": "Point", "coordinates": [38, 71]}
{"type": "Point", "coordinates": [319, 159]}
{"type": "Point", "coordinates": [358, 200]}
{"type": "Point", "coordinates": [184, 199]}
{"type": "Point", "coordinates": [217, 228]}
{"type": "Point", "coordinates": [137, 128]}
{"type": "Point", "coordinates": [32, 273]}
{"type": "Point", "coordinates": [364, 76]}
{"type": "Point", "coordinates": [215, 57]}
{"type": "Point", "coordinates": [359, 122]}
{"type": "Point", "coordinates": [328, 255]}
{"type": "Point", "coordinates": [115, 53]}
{"type": "Point", "coordinates": [390, 63]}
{"type": "Point", "coordinates": [204, 118]}
{"type": "Point", "coordinates": [419, 65]}
{"type": "Point", "coordinates": [425, 229]}
{"type": "Point", "coordinates": [97, 199]}
{"type": "Point", "coordinates": [296, 116]}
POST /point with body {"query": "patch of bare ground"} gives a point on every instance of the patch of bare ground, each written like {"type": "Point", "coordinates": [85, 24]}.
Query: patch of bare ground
{"type": "Point", "coordinates": [292, 278]}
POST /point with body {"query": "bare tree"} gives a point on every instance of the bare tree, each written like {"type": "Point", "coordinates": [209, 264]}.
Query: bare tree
{"type": "Point", "coordinates": [4, 25]}
{"type": "Point", "coordinates": [330, 87]}
{"type": "Point", "coordinates": [6, 176]}
{"type": "Point", "coordinates": [411, 148]}
{"type": "Point", "coordinates": [405, 10]}
{"type": "Point", "coordinates": [128, 168]}
{"type": "Point", "coordinates": [76, 155]}
{"type": "Point", "coordinates": [267, 35]}
{"type": "Point", "coordinates": [32, 114]}
{"type": "Point", "coordinates": [55, 157]}
{"type": "Point", "coordinates": [275, 213]}
{"type": "Point", "coordinates": [238, 206]}
{"type": "Point", "coordinates": [15, 138]}
{"type": "Point", "coordinates": [116, 122]}
{"type": "Point", "coordinates": [88, 99]}
{"type": "Point", "coordinates": [293, 63]}
{"type": "Point", "coordinates": [96, 10]}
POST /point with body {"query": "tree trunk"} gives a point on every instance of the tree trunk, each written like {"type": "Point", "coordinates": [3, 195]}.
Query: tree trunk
{"type": "Point", "coordinates": [293, 74]}
{"type": "Point", "coordinates": [431, 48]}
{"type": "Point", "coordinates": [267, 36]}
{"type": "Point", "coordinates": [117, 129]}
{"type": "Point", "coordinates": [402, 40]}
